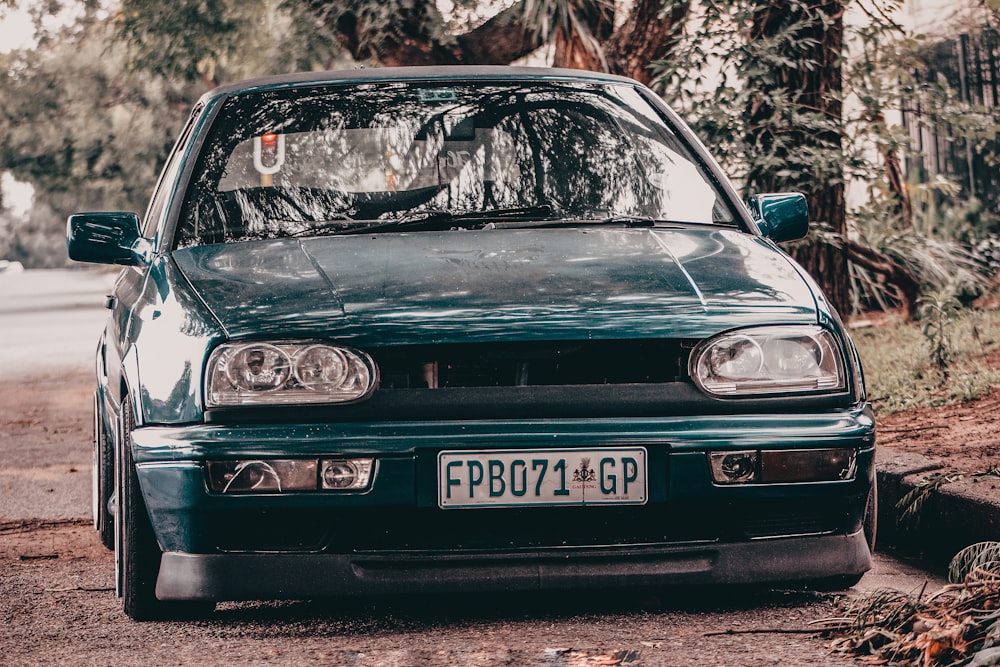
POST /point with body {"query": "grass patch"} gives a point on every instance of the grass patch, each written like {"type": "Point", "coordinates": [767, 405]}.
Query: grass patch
{"type": "Point", "coordinates": [901, 375]}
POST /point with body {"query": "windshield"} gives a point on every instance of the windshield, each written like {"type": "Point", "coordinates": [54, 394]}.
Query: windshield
{"type": "Point", "coordinates": [342, 159]}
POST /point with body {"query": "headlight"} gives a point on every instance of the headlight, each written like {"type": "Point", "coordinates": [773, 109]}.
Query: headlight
{"type": "Point", "coordinates": [769, 360]}
{"type": "Point", "coordinates": [287, 374]}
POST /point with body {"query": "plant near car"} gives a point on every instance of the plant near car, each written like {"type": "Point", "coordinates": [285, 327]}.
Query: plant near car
{"type": "Point", "coordinates": [938, 313]}
{"type": "Point", "coordinates": [910, 508]}
{"type": "Point", "coordinates": [976, 561]}
{"type": "Point", "coordinates": [743, 96]}
{"type": "Point", "coordinates": [957, 624]}
{"type": "Point", "coordinates": [916, 383]}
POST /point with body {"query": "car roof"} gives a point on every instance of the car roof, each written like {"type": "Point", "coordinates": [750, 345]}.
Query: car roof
{"type": "Point", "coordinates": [436, 73]}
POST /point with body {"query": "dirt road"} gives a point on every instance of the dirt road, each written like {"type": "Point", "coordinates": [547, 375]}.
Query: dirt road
{"type": "Point", "coordinates": [58, 608]}
{"type": "Point", "coordinates": [57, 605]}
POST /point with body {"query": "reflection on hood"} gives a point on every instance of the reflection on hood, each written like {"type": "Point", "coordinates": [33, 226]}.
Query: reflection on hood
{"type": "Point", "coordinates": [462, 286]}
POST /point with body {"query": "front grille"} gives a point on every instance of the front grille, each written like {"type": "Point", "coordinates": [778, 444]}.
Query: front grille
{"type": "Point", "coordinates": [807, 521]}
{"type": "Point", "coordinates": [528, 380]}
{"type": "Point", "coordinates": [546, 363]}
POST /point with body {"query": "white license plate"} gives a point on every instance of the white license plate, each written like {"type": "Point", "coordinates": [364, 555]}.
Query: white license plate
{"type": "Point", "coordinates": [515, 478]}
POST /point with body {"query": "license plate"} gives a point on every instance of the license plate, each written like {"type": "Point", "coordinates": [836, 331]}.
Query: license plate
{"type": "Point", "coordinates": [516, 478]}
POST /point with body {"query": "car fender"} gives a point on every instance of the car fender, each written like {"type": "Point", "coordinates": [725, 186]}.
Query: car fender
{"type": "Point", "coordinates": [170, 334]}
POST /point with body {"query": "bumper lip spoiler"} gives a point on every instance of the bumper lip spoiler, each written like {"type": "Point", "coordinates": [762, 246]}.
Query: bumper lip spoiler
{"type": "Point", "coordinates": [253, 576]}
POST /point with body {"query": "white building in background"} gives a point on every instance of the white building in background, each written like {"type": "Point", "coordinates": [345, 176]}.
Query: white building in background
{"type": "Point", "coordinates": [939, 18]}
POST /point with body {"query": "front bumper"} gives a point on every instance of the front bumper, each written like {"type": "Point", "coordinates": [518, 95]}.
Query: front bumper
{"type": "Point", "coordinates": [303, 576]}
{"type": "Point", "coordinates": [394, 538]}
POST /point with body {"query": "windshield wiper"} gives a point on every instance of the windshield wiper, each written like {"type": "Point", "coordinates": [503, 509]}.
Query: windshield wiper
{"type": "Point", "coordinates": [628, 221]}
{"type": "Point", "coordinates": [442, 219]}
{"type": "Point", "coordinates": [614, 220]}
{"type": "Point", "coordinates": [335, 224]}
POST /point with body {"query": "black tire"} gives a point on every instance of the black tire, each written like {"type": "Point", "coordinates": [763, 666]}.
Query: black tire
{"type": "Point", "coordinates": [103, 479]}
{"type": "Point", "coordinates": [870, 524]}
{"type": "Point", "coordinates": [137, 554]}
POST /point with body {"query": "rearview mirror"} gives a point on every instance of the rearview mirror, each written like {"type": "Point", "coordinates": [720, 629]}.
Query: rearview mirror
{"type": "Point", "coordinates": [104, 238]}
{"type": "Point", "coordinates": [780, 216]}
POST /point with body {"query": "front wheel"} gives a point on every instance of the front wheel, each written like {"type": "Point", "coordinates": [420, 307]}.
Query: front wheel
{"type": "Point", "coordinates": [103, 478]}
{"type": "Point", "coordinates": [870, 525]}
{"type": "Point", "coordinates": [137, 554]}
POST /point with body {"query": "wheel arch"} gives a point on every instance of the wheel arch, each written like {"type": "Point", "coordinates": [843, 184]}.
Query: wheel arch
{"type": "Point", "coordinates": [130, 386]}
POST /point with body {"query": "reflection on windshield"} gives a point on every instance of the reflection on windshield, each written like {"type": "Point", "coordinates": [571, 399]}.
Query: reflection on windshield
{"type": "Point", "coordinates": [336, 159]}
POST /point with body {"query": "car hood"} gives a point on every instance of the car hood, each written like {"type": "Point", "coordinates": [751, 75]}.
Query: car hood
{"type": "Point", "coordinates": [464, 286]}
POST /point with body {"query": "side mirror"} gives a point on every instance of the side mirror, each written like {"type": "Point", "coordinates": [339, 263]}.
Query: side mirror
{"type": "Point", "coordinates": [104, 238]}
{"type": "Point", "coordinates": [781, 217]}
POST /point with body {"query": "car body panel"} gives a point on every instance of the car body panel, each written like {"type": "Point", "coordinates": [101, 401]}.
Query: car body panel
{"type": "Point", "coordinates": [554, 283]}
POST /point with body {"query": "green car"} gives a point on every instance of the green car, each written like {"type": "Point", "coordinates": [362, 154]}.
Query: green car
{"type": "Point", "coordinates": [465, 329]}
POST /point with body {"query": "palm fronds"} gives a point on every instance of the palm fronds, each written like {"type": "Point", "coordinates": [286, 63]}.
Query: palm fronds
{"type": "Point", "coordinates": [957, 626]}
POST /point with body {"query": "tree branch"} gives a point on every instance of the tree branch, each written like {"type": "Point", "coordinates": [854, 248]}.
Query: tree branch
{"type": "Point", "coordinates": [907, 288]}
{"type": "Point", "coordinates": [500, 41]}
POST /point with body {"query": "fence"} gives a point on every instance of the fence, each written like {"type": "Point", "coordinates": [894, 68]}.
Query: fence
{"type": "Point", "coordinates": [971, 66]}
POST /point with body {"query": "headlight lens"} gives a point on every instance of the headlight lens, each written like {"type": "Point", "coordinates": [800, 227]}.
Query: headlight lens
{"type": "Point", "coordinates": [257, 368]}
{"type": "Point", "coordinates": [287, 374]}
{"type": "Point", "coordinates": [769, 360]}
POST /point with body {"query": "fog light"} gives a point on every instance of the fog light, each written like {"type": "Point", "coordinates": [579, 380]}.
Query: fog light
{"type": "Point", "coordinates": [734, 467]}
{"type": "Point", "coordinates": [345, 474]}
{"type": "Point", "coordinates": [261, 476]}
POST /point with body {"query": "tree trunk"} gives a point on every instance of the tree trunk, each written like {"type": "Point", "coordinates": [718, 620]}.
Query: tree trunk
{"type": "Point", "coordinates": [645, 36]}
{"type": "Point", "coordinates": [796, 122]}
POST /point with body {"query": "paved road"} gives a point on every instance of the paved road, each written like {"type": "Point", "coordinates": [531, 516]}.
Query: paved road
{"type": "Point", "coordinates": [51, 320]}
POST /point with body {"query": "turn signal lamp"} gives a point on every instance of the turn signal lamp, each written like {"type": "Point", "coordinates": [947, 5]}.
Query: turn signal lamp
{"type": "Point", "coordinates": [775, 466]}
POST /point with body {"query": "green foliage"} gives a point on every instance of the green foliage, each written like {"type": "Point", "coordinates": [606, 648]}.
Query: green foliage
{"type": "Point", "coordinates": [84, 133]}
{"type": "Point", "coordinates": [899, 371]}
{"type": "Point", "coordinates": [736, 94]}
{"type": "Point", "coordinates": [938, 312]}
{"type": "Point", "coordinates": [755, 125]}
{"type": "Point", "coordinates": [224, 40]}
{"type": "Point", "coordinates": [982, 557]}
{"type": "Point", "coordinates": [934, 232]}
{"type": "Point", "coordinates": [74, 125]}
{"type": "Point", "coordinates": [546, 17]}
{"type": "Point", "coordinates": [89, 128]}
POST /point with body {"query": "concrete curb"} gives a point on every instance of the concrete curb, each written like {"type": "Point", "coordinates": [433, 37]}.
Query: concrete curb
{"type": "Point", "coordinates": [954, 515]}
